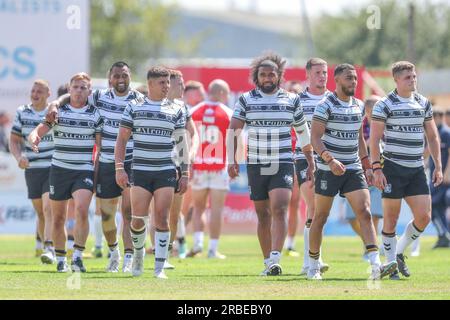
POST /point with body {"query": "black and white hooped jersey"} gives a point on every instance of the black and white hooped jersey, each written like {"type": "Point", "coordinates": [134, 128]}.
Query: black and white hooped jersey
{"type": "Point", "coordinates": [404, 131]}
{"type": "Point", "coordinates": [269, 119]}
{"type": "Point", "coordinates": [342, 121]}
{"type": "Point", "coordinates": [111, 108]}
{"type": "Point", "coordinates": [309, 103]}
{"type": "Point", "coordinates": [184, 107]}
{"type": "Point", "coordinates": [153, 124]}
{"type": "Point", "coordinates": [74, 136]}
{"type": "Point", "coordinates": [26, 120]}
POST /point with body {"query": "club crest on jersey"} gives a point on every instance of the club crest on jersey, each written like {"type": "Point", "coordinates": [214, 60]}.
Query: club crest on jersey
{"type": "Point", "coordinates": [323, 184]}
{"type": "Point", "coordinates": [388, 188]}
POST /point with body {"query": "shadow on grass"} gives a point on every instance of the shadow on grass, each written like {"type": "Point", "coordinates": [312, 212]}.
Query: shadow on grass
{"type": "Point", "coordinates": [297, 278]}
{"type": "Point", "coordinates": [54, 271]}
{"type": "Point", "coordinates": [4, 263]}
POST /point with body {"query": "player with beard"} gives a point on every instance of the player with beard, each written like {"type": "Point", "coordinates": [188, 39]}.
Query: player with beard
{"type": "Point", "coordinates": [269, 113]}
{"type": "Point", "coordinates": [337, 137]}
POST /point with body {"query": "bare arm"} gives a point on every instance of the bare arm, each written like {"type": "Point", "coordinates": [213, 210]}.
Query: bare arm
{"type": "Point", "coordinates": [376, 133]}
{"type": "Point", "coordinates": [317, 132]}
{"type": "Point", "coordinates": [64, 99]}
{"type": "Point", "coordinates": [119, 156]}
{"type": "Point", "coordinates": [434, 144]}
{"type": "Point", "coordinates": [98, 144]}
{"type": "Point", "coordinates": [447, 171]}
{"type": "Point", "coordinates": [15, 147]}
{"type": "Point", "coordinates": [192, 130]}
{"type": "Point", "coordinates": [233, 133]}
{"type": "Point", "coordinates": [362, 146]}
{"type": "Point", "coordinates": [304, 138]}
{"type": "Point", "coordinates": [182, 146]}
{"type": "Point", "coordinates": [34, 138]}
{"type": "Point", "coordinates": [53, 107]}
{"type": "Point", "coordinates": [363, 155]}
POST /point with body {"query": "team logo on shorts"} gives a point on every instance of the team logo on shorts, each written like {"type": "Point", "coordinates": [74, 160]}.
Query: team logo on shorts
{"type": "Point", "coordinates": [303, 174]}
{"type": "Point", "coordinates": [388, 188]}
{"type": "Point", "coordinates": [52, 189]}
{"type": "Point", "coordinates": [99, 188]}
{"type": "Point", "coordinates": [289, 179]}
{"type": "Point", "coordinates": [88, 182]}
{"type": "Point", "coordinates": [323, 184]}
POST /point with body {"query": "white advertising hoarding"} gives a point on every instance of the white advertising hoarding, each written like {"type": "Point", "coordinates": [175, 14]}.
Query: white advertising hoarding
{"type": "Point", "coordinates": [47, 39]}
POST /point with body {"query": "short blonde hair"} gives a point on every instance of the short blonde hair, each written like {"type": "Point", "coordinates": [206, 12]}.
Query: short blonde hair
{"type": "Point", "coordinates": [400, 66]}
{"type": "Point", "coordinates": [42, 82]}
{"type": "Point", "coordinates": [81, 76]}
{"type": "Point", "coordinates": [315, 62]}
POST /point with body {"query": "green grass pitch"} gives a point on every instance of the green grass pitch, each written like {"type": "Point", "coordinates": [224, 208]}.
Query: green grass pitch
{"type": "Point", "coordinates": [23, 277]}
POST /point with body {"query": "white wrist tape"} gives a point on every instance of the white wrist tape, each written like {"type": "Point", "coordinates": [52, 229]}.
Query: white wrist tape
{"type": "Point", "coordinates": [304, 137]}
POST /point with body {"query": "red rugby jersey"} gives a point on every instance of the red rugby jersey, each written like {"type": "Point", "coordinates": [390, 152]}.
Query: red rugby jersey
{"type": "Point", "coordinates": [212, 120]}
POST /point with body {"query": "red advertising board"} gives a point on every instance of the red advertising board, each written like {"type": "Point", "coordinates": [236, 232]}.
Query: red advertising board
{"type": "Point", "coordinates": [239, 78]}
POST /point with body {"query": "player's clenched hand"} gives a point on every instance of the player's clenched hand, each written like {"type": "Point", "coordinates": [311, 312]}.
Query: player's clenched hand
{"type": "Point", "coordinates": [379, 180]}
{"type": "Point", "coordinates": [437, 177]}
{"type": "Point", "coordinates": [52, 113]}
{"type": "Point", "coordinates": [369, 177]}
{"type": "Point", "coordinates": [182, 185]}
{"type": "Point", "coordinates": [336, 167]}
{"type": "Point", "coordinates": [233, 170]}
{"type": "Point", "coordinates": [122, 179]}
{"type": "Point", "coordinates": [310, 175]}
{"type": "Point", "coordinates": [23, 162]}
{"type": "Point", "coordinates": [34, 141]}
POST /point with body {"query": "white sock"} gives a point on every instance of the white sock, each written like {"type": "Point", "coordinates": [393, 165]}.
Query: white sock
{"type": "Point", "coordinates": [411, 233]}
{"type": "Point", "coordinates": [161, 249]}
{"type": "Point", "coordinates": [275, 256]}
{"type": "Point", "coordinates": [70, 244]}
{"type": "Point", "coordinates": [138, 237]}
{"type": "Point", "coordinates": [169, 251]}
{"type": "Point", "coordinates": [390, 246]}
{"type": "Point", "coordinates": [77, 254]}
{"type": "Point", "coordinates": [267, 262]}
{"type": "Point", "coordinates": [59, 259]}
{"type": "Point", "coordinates": [181, 228]}
{"type": "Point", "coordinates": [289, 243]}
{"type": "Point", "coordinates": [213, 243]}
{"type": "Point", "coordinates": [198, 240]}
{"type": "Point", "coordinates": [320, 257]}
{"type": "Point", "coordinates": [98, 231]}
{"type": "Point", "coordinates": [306, 247]}
{"type": "Point", "coordinates": [38, 244]}
{"type": "Point", "coordinates": [415, 246]}
{"type": "Point", "coordinates": [374, 258]}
